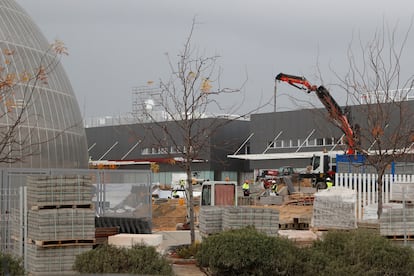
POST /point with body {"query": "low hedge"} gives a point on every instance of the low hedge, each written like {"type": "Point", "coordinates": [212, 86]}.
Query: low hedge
{"type": "Point", "coordinates": [248, 252]}
{"type": "Point", "coordinates": [139, 259]}
{"type": "Point", "coordinates": [10, 265]}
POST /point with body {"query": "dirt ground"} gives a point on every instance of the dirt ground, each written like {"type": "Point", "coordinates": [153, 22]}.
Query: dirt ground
{"type": "Point", "coordinates": [166, 215]}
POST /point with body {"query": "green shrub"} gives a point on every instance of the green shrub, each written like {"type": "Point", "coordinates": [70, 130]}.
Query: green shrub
{"type": "Point", "coordinates": [248, 252]}
{"type": "Point", "coordinates": [358, 252]}
{"type": "Point", "coordinates": [110, 259]}
{"type": "Point", "coordinates": [146, 260]}
{"type": "Point", "coordinates": [10, 265]}
{"type": "Point", "coordinates": [188, 251]}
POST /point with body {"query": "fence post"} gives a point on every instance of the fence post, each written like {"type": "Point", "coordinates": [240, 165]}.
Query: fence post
{"type": "Point", "coordinates": [359, 199]}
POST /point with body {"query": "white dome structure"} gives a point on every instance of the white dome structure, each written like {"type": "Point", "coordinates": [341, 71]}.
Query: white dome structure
{"type": "Point", "coordinates": [50, 132]}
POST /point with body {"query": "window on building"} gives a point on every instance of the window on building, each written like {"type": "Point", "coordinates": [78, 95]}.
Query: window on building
{"type": "Point", "coordinates": [311, 143]}
{"type": "Point", "coordinates": [319, 142]}
{"type": "Point", "coordinates": [278, 144]}
{"type": "Point", "coordinates": [329, 141]}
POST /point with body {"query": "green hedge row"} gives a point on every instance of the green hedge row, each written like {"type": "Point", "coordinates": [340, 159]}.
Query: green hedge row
{"type": "Point", "coordinates": [10, 265]}
{"type": "Point", "coordinates": [139, 259]}
{"type": "Point", "coordinates": [247, 252]}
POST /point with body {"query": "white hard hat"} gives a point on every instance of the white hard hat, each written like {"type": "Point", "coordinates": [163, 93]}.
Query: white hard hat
{"type": "Point", "coordinates": [328, 178]}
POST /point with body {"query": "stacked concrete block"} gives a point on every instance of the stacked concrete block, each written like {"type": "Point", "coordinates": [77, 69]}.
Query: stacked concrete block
{"type": "Point", "coordinates": [334, 208]}
{"type": "Point", "coordinates": [270, 200]}
{"type": "Point", "coordinates": [210, 219]}
{"type": "Point", "coordinates": [66, 191]}
{"type": "Point", "coordinates": [263, 219]}
{"type": "Point", "coordinates": [401, 191]}
{"type": "Point", "coordinates": [397, 220]}
{"type": "Point", "coordinates": [53, 260]}
{"type": "Point", "coordinates": [370, 212]}
{"type": "Point", "coordinates": [61, 222]}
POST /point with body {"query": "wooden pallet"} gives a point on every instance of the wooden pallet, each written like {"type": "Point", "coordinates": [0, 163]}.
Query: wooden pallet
{"type": "Point", "coordinates": [294, 226]}
{"type": "Point", "coordinates": [60, 243]}
{"type": "Point", "coordinates": [48, 206]}
{"type": "Point", "coordinates": [400, 237]}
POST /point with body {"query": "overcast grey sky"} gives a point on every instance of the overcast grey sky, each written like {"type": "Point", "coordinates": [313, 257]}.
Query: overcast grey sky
{"type": "Point", "coordinates": [115, 45]}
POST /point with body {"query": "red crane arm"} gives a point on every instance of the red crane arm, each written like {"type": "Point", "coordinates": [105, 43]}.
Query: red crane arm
{"type": "Point", "coordinates": [335, 111]}
{"type": "Point", "coordinates": [295, 80]}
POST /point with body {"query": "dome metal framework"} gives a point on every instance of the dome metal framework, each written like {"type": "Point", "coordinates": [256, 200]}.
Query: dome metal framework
{"type": "Point", "coordinates": [50, 132]}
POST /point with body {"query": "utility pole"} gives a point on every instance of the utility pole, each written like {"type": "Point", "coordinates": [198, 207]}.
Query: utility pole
{"type": "Point", "coordinates": [274, 97]}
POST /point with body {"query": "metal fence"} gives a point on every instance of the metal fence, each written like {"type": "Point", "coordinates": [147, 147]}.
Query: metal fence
{"type": "Point", "coordinates": [366, 186]}
{"type": "Point", "coordinates": [120, 193]}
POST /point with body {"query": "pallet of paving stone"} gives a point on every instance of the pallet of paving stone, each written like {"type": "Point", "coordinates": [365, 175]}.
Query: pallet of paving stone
{"type": "Point", "coordinates": [62, 233]}
{"type": "Point", "coordinates": [263, 219]}
{"type": "Point", "coordinates": [334, 208]}
{"type": "Point", "coordinates": [61, 216]}
{"type": "Point", "coordinates": [70, 233]}
{"type": "Point", "coordinates": [402, 191]}
{"type": "Point", "coordinates": [45, 181]}
{"type": "Point", "coordinates": [61, 224]}
{"type": "Point", "coordinates": [58, 189]}
{"type": "Point", "coordinates": [397, 220]}
{"type": "Point", "coordinates": [59, 199]}
{"type": "Point", "coordinates": [53, 260]}
{"type": "Point", "coordinates": [270, 200]}
{"type": "Point", "coordinates": [210, 219]}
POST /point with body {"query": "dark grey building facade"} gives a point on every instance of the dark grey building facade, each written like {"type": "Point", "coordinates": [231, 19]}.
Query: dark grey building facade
{"type": "Point", "coordinates": [134, 146]}
{"type": "Point", "coordinates": [310, 131]}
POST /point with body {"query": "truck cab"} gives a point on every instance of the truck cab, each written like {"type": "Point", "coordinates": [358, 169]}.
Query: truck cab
{"type": "Point", "coordinates": [218, 193]}
{"type": "Point", "coordinates": [322, 166]}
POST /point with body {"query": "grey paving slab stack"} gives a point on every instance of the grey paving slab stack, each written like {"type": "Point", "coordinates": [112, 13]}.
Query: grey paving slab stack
{"type": "Point", "coordinates": [334, 208]}
{"type": "Point", "coordinates": [265, 220]}
{"type": "Point", "coordinates": [61, 222]}
{"type": "Point", "coordinates": [397, 221]}
{"type": "Point", "coordinates": [402, 191]}
{"type": "Point", "coordinates": [53, 260]}
{"type": "Point", "coordinates": [270, 200]}
{"type": "Point", "coordinates": [210, 220]}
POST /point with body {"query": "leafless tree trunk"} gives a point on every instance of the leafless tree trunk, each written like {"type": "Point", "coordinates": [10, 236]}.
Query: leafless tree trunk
{"type": "Point", "coordinates": [377, 83]}
{"type": "Point", "coordinates": [185, 99]}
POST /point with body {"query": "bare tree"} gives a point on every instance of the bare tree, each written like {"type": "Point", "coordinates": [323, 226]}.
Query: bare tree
{"type": "Point", "coordinates": [17, 94]}
{"type": "Point", "coordinates": [376, 82]}
{"type": "Point", "coordinates": [186, 97]}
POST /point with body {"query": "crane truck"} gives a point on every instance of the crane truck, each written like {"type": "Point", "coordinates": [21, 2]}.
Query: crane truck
{"type": "Point", "coordinates": [323, 166]}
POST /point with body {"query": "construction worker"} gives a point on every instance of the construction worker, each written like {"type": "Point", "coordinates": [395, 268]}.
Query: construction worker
{"type": "Point", "coordinates": [246, 188]}
{"type": "Point", "coordinates": [329, 183]}
{"type": "Point", "coordinates": [274, 187]}
{"type": "Point", "coordinates": [182, 184]}
{"type": "Point", "coordinates": [175, 194]}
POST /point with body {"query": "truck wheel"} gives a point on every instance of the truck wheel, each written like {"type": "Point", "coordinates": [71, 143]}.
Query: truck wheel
{"type": "Point", "coordinates": [320, 186]}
